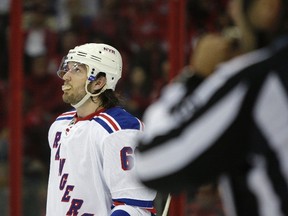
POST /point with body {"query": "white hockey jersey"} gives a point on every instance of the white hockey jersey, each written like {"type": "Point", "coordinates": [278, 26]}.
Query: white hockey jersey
{"type": "Point", "coordinates": [92, 165]}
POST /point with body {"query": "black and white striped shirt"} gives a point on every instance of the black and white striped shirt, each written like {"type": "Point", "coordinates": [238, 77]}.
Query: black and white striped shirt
{"type": "Point", "coordinates": [233, 128]}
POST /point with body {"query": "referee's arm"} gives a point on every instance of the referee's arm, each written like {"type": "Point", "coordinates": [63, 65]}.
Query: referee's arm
{"type": "Point", "coordinates": [179, 150]}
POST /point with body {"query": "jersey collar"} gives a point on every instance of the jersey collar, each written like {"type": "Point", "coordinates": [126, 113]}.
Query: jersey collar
{"type": "Point", "coordinates": [89, 117]}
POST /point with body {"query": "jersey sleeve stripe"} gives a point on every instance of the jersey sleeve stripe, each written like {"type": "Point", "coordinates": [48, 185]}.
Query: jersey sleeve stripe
{"type": "Point", "coordinates": [110, 121]}
{"type": "Point", "coordinates": [104, 124]}
{"type": "Point", "coordinates": [148, 205]}
{"type": "Point", "coordinates": [116, 119]}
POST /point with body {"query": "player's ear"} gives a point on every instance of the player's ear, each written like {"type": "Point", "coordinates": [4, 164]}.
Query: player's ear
{"type": "Point", "coordinates": [99, 83]}
{"type": "Point", "coordinates": [264, 14]}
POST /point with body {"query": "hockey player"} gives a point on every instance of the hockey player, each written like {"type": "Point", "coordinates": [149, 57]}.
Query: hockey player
{"type": "Point", "coordinates": [92, 151]}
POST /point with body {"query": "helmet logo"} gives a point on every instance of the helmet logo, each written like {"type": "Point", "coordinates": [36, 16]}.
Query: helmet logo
{"type": "Point", "coordinates": [91, 78]}
{"type": "Point", "coordinates": [109, 50]}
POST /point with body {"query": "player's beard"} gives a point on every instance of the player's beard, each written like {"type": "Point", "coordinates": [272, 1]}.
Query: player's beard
{"type": "Point", "coordinates": [73, 97]}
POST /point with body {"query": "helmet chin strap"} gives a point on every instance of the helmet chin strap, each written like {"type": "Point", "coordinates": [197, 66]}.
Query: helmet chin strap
{"type": "Point", "coordinates": [88, 95]}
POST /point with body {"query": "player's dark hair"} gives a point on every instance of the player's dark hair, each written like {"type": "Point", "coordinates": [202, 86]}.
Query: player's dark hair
{"type": "Point", "coordinates": [109, 98]}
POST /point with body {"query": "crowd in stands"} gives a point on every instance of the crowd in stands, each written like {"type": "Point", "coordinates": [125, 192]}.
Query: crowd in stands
{"type": "Point", "coordinates": [137, 28]}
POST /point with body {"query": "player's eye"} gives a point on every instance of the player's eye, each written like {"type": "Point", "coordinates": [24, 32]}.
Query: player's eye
{"type": "Point", "coordinates": [75, 68]}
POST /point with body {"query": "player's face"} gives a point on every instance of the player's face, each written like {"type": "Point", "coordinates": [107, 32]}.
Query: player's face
{"type": "Point", "coordinates": [74, 83]}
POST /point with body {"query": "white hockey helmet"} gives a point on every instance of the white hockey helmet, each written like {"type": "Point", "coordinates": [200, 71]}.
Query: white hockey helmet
{"type": "Point", "coordinates": [99, 58]}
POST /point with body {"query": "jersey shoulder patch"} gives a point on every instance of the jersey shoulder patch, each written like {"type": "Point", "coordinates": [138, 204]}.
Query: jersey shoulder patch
{"type": "Point", "coordinates": [115, 119]}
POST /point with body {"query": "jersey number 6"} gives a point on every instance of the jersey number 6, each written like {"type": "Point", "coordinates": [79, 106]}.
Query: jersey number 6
{"type": "Point", "coordinates": [127, 160]}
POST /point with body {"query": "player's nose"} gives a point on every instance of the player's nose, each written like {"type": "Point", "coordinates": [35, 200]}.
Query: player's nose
{"type": "Point", "coordinates": [66, 76]}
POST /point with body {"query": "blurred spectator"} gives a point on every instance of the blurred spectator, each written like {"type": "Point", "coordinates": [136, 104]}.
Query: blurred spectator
{"type": "Point", "coordinates": [150, 57]}
{"type": "Point", "coordinates": [203, 15]}
{"type": "Point", "coordinates": [108, 22]}
{"type": "Point", "coordinates": [3, 104]}
{"type": "Point", "coordinates": [137, 91]}
{"type": "Point", "coordinates": [4, 6]}
{"type": "Point", "coordinates": [4, 45]}
{"type": "Point", "coordinates": [148, 21]}
{"type": "Point", "coordinates": [43, 102]}
{"type": "Point", "coordinates": [4, 190]}
{"type": "Point", "coordinates": [204, 202]}
{"type": "Point", "coordinates": [39, 38]}
{"type": "Point", "coordinates": [69, 11]}
{"type": "Point", "coordinates": [68, 39]}
{"type": "Point", "coordinates": [161, 80]}
{"type": "Point", "coordinates": [3, 147]}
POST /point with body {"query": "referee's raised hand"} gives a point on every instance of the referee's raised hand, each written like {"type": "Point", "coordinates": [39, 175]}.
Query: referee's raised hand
{"type": "Point", "coordinates": [210, 51]}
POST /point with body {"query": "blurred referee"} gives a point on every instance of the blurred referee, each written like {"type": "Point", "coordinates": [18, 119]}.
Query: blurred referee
{"type": "Point", "coordinates": [233, 127]}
